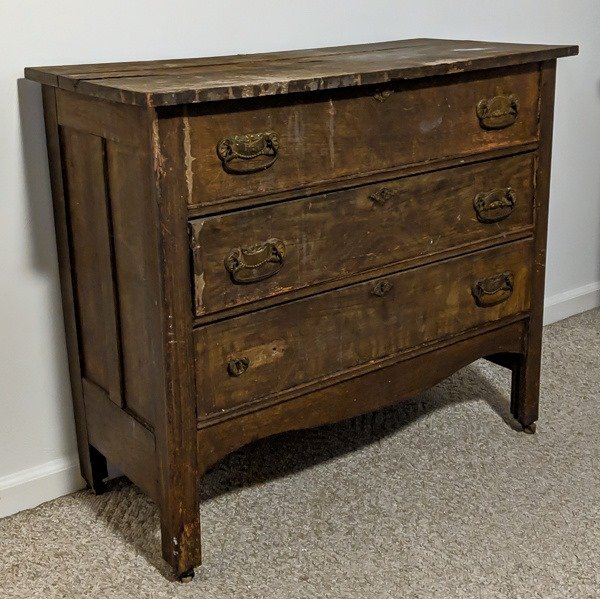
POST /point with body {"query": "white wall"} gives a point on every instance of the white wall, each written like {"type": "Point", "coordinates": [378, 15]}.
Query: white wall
{"type": "Point", "coordinates": [37, 444]}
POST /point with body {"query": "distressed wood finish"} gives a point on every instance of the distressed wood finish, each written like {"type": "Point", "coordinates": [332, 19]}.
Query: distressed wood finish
{"type": "Point", "coordinates": [388, 229]}
{"type": "Point", "coordinates": [92, 463]}
{"type": "Point", "coordinates": [357, 326]}
{"type": "Point", "coordinates": [377, 389]}
{"type": "Point", "coordinates": [169, 82]}
{"type": "Point", "coordinates": [175, 429]}
{"type": "Point", "coordinates": [331, 237]}
{"type": "Point", "coordinates": [319, 140]}
{"type": "Point", "coordinates": [92, 261]}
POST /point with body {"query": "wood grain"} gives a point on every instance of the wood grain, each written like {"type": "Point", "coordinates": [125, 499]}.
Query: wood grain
{"type": "Point", "coordinates": [93, 465]}
{"type": "Point", "coordinates": [136, 256]}
{"type": "Point", "coordinates": [115, 122]}
{"type": "Point", "coordinates": [314, 338]}
{"type": "Point", "coordinates": [333, 236]}
{"type": "Point", "coordinates": [91, 231]}
{"type": "Point", "coordinates": [527, 368]}
{"type": "Point", "coordinates": [319, 139]}
{"type": "Point", "coordinates": [176, 417]}
{"type": "Point", "coordinates": [372, 391]}
{"type": "Point", "coordinates": [128, 444]}
{"type": "Point", "coordinates": [163, 83]}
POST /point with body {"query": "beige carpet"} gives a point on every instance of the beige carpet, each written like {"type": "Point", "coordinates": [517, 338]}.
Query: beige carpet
{"type": "Point", "coordinates": [440, 497]}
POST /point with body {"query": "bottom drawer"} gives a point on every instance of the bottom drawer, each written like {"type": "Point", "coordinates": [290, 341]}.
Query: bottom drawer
{"type": "Point", "coordinates": [263, 353]}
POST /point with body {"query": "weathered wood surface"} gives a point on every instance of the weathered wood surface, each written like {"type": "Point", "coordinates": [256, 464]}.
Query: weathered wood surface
{"type": "Point", "coordinates": [328, 137]}
{"type": "Point", "coordinates": [168, 82]}
{"type": "Point", "coordinates": [341, 234]}
{"type": "Point", "coordinates": [377, 299]}
{"type": "Point", "coordinates": [379, 388]}
{"type": "Point", "coordinates": [526, 369]}
{"type": "Point", "coordinates": [175, 426]}
{"type": "Point", "coordinates": [128, 444]}
{"type": "Point", "coordinates": [135, 240]}
{"type": "Point", "coordinates": [92, 464]}
{"type": "Point", "coordinates": [93, 256]}
{"type": "Point", "coordinates": [356, 327]}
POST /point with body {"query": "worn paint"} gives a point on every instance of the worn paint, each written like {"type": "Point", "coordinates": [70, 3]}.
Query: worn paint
{"type": "Point", "coordinates": [267, 353]}
{"type": "Point", "coordinates": [428, 126]}
{"type": "Point", "coordinates": [159, 161]}
{"type": "Point", "coordinates": [188, 158]}
{"type": "Point", "coordinates": [199, 285]}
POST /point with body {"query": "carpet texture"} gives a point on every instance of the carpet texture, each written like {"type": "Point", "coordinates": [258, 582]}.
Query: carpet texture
{"type": "Point", "coordinates": [438, 497]}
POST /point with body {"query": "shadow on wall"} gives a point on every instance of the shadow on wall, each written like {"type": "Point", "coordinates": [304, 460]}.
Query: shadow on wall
{"type": "Point", "coordinates": [37, 178]}
{"type": "Point", "coordinates": [42, 243]}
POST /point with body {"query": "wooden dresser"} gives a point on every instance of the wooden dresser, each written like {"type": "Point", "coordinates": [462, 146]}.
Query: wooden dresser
{"type": "Point", "coordinates": [253, 244]}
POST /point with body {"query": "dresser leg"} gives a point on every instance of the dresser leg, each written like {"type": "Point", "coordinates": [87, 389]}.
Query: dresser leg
{"type": "Point", "coordinates": [525, 393]}
{"type": "Point", "coordinates": [180, 536]}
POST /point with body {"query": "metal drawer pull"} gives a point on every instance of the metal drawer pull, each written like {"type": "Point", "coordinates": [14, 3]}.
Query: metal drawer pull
{"type": "Point", "coordinates": [246, 148]}
{"type": "Point", "coordinates": [383, 195]}
{"type": "Point", "coordinates": [382, 95]}
{"type": "Point", "coordinates": [256, 262]}
{"type": "Point", "coordinates": [382, 288]}
{"type": "Point", "coordinates": [493, 290]}
{"type": "Point", "coordinates": [495, 205]}
{"type": "Point", "coordinates": [498, 112]}
{"type": "Point", "coordinates": [237, 366]}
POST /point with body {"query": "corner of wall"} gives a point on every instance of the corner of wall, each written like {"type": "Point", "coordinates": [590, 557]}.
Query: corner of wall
{"type": "Point", "coordinates": [28, 488]}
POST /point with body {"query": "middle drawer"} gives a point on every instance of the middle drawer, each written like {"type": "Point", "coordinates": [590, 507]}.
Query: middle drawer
{"type": "Point", "coordinates": [249, 255]}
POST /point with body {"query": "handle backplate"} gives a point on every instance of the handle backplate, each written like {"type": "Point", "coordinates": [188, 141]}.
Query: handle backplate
{"type": "Point", "coordinates": [256, 262]}
{"type": "Point", "coordinates": [237, 366]}
{"type": "Point", "coordinates": [382, 95]}
{"type": "Point", "coordinates": [382, 288]}
{"type": "Point", "coordinates": [493, 290]}
{"type": "Point", "coordinates": [498, 112]}
{"type": "Point", "coordinates": [384, 194]}
{"type": "Point", "coordinates": [248, 153]}
{"type": "Point", "coordinates": [495, 205]}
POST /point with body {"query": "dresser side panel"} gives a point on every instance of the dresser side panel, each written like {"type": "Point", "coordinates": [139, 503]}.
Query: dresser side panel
{"type": "Point", "coordinates": [120, 169]}
{"type": "Point", "coordinates": [136, 246]}
{"type": "Point", "coordinates": [93, 467]}
{"type": "Point", "coordinates": [91, 242]}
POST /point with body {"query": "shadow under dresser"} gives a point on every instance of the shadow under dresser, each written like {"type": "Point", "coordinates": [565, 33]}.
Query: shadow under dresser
{"type": "Point", "coordinates": [258, 243]}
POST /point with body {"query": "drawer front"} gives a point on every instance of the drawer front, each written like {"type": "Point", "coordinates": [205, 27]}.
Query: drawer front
{"type": "Point", "coordinates": [252, 254]}
{"type": "Point", "coordinates": [258, 355]}
{"type": "Point", "coordinates": [253, 148]}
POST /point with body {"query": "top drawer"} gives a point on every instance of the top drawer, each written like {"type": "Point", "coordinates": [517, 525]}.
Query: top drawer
{"type": "Point", "coordinates": [255, 148]}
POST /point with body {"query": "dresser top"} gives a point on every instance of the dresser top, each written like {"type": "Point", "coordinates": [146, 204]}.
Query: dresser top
{"type": "Point", "coordinates": [192, 80]}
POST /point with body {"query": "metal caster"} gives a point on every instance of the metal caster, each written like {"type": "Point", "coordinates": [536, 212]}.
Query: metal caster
{"type": "Point", "coordinates": [529, 428]}
{"type": "Point", "coordinates": [186, 576]}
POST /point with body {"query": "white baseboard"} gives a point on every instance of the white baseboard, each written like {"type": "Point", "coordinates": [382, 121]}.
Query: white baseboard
{"type": "Point", "coordinates": [28, 488]}
{"type": "Point", "coordinates": [571, 302]}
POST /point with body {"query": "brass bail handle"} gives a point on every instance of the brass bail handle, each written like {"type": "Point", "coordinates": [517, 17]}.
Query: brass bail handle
{"type": "Point", "coordinates": [495, 205]}
{"type": "Point", "coordinates": [493, 290]}
{"type": "Point", "coordinates": [244, 154]}
{"type": "Point", "coordinates": [498, 112]}
{"type": "Point", "coordinates": [257, 262]}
